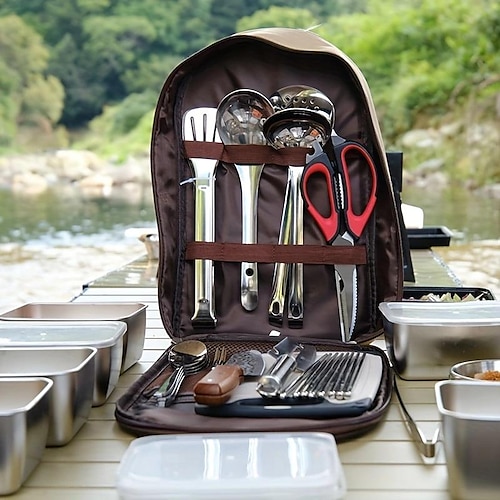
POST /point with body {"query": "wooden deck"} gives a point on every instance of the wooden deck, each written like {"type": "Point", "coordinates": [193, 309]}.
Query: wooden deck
{"type": "Point", "coordinates": [383, 464]}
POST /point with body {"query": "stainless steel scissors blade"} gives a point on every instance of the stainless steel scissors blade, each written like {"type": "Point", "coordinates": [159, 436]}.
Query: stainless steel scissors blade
{"type": "Point", "coordinates": [346, 284]}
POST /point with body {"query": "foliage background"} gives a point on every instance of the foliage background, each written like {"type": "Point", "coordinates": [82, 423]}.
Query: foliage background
{"type": "Point", "coordinates": [87, 73]}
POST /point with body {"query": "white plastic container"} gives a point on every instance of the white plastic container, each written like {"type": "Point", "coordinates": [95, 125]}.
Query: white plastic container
{"type": "Point", "coordinates": [236, 466]}
{"type": "Point", "coordinates": [425, 339]}
{"type": "Point", "coordinates": [105, 336]}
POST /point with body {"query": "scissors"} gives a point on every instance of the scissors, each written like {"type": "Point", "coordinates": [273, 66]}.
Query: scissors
{"type": "Point", "coordinates": [342, 225]}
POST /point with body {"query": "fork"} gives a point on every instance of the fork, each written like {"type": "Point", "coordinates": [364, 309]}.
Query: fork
{"type": "Point", "coordinates": [331, 376]}
{"type": "Point", "coordinates": [219, 356]}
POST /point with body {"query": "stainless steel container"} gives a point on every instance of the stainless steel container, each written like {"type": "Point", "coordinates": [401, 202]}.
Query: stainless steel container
{"type": "Point", "coordinates": [105, 336]}
{"type": "Point", "coordinates": [424, 339]}
{"type": "Point", "coordinates": [131, 313]}
{"type": "Point", "coordinates": [470, 413]}
{"type": "Point", "coordinates": [472, 370]}
{"type": "Point", "coordinates": [71, 369]}
{"type": "Point", "coordinates": [24, 426]}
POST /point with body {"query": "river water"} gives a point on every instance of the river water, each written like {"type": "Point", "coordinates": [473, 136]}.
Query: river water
{"type": "Point", "coordinates": [474, 219]}
{"type": "Point", "coordinates": [53, 243]}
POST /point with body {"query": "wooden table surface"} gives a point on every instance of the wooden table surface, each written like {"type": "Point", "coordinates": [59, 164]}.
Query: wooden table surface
{"type": "Point", "coordinates": [383, 464]}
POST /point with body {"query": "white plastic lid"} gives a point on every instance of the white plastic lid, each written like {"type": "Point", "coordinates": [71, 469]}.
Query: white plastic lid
{"type": "Point", "coordinates": [232, 466]}
{"type": "Point", "coordinates": [484, 312]}
{"type": "Point", "coordinates": [47, 333]}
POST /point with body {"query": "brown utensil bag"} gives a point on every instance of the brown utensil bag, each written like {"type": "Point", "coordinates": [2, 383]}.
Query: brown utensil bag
{"type": "Point", "coordinates": [263, 60]}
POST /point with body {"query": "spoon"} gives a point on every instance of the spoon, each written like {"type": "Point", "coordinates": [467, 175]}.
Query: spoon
{"type": "Point", "coordinates": [304, 97]}
{"type": "Point", "coordinates": [306, 115]}
{"type": "Point", "coordinates": [240, 116]}
{"type": "Point", "coordinates": [188, 357]}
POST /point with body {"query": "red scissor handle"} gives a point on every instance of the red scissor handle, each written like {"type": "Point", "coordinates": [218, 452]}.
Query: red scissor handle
{"type": "Point", "coordinates": [357, 222]}
{"type": "Point", "coordinates": [329, 225]}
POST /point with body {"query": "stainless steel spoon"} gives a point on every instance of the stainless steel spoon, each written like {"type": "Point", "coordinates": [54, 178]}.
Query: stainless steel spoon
{"type": "Point", "coordinates": [188, 357]}
{"type": "Point", "coordinates": [240, 116]}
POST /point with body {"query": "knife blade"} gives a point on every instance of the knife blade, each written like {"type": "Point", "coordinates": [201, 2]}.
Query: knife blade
{"type": "Point", "coordinates": [216, 386]}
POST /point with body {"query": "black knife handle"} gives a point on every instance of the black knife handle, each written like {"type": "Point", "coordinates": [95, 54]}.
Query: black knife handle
{"type": "Point", "coordinates": [260, 408]}
{"type": "Point", "coordinates": [270, 384]}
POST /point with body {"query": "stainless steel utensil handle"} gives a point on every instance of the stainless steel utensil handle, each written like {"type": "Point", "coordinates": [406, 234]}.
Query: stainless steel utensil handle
{"type": "Point", "coordinates": [204, 230]}
{"type": "Point", "coordinates": [270, 384]}
{"type": "Point", "coordinates": [280, 275]}
{"type": "Point", "coordinates": [427, 447]}
{"type": "Point", "coordinates": [351, 376]}
{"type": "Point", "coordinates": [249, 176]}
{"type": "Point", "coordinates": [296, 283]}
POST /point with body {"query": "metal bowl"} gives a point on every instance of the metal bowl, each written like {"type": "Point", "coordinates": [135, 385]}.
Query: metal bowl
{"type": "Point", "coordinates": [476, 370]}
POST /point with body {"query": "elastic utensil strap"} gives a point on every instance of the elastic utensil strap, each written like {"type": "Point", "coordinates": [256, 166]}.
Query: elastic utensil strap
{"type": "Point", "coordinates": [308, 254]}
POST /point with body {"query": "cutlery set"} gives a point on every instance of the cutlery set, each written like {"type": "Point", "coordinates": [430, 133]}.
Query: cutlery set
{"type": "Point", "coordinates": [297, 375]}
{"type": "Point", "coordinates": [302, 383]}
{"type": "Point", "coordinates": [294, 116]}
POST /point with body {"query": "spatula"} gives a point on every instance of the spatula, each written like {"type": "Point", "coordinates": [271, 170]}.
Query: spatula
{"type": "Point", "coordinates": [199, 125]}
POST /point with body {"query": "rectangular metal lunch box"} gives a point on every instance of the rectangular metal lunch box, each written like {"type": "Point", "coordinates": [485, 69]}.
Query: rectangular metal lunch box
{"type": "Point", "coordinates": [425, 339]}
{"type": "Point", "coordinates": [71, 369]}
{"type": "Point", "coordinates": [24, 426]}
{"type": "Point", "coordinates": [470, 414]}
{"type": "Point", "coordinates": [105, 336]}
{"type": "Point", "coordinates": [131, 313]}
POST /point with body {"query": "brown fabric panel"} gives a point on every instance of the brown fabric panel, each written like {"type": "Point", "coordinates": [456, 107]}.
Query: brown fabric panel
{"type": "Point", "coordinates": [310, 254]}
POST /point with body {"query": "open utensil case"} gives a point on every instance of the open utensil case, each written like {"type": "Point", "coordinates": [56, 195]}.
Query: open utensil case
{"type": "Point", "coordinates": [264, 61]}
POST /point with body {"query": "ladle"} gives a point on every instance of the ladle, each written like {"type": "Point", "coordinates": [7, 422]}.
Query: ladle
{"type": "Point", "coordinates": [240, 116]}
{"type": "Point", "coordinates": [306, 116]}
{"type": "Point", "coordinates": [188, 357]}
{"type": "Point", "coordinates": [304, 97]}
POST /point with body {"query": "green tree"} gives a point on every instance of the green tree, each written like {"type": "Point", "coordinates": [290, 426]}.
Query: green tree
{"type": "Point", "coordinates": [278, 16]}
{"type": "Point", "coordinates": [225, 14]}
{"type": "Point", "coordinates": [27, 94]}
{"type": "Point", "coordinates": [84, 95]}
{"type": "Point", "coordinates": [419, 55]}
{"type": "Point", "coordinates": [150, 74]}
{"type": "Point", "coordinates": [9, 101]}
{"type": "Point", "coordinates": [321, 9]}
{"type": "Point", "coordinates": [103, 50]}
{"type": "Point", "coordinates": [113, 45]}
